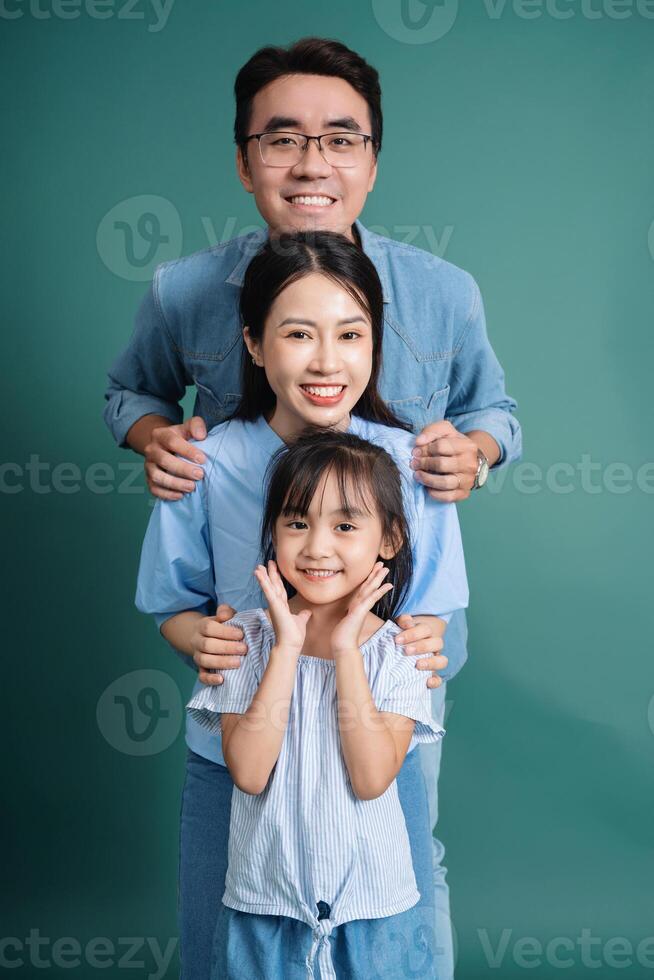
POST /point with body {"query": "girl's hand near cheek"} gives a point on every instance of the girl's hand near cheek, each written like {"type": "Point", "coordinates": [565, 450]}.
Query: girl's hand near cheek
{"type": "Point", "coordinates": [290, 630]}
{"type": "Point", "coordinates": [346, 635]}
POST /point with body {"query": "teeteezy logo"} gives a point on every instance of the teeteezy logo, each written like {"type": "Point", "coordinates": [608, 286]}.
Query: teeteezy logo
{"type": "Point", "coordinates": [140, 713]}
{"type": "Point", "coordinates": [416, 21]}
{"type": "Point", "coordinates": [137, 234]}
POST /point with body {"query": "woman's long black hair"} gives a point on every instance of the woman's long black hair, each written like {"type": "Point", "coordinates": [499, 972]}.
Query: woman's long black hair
{"type": "Point", "coordinates": [282, 261]}
{"type": "Point", "coordinates": [368, 479]}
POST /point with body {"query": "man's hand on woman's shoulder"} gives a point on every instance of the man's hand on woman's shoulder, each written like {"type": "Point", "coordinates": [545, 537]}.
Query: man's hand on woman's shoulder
{"type": "Point", "coordinates": [171, 468]}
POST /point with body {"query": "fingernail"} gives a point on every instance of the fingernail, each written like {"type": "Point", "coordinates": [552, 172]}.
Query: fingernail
{"type": "Point", "coordinates": [198, 474]}
{"type": "Point", "coordinates": [409, 649]}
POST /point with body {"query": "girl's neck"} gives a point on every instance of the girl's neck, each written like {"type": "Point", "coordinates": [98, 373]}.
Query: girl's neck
{"type": "Point", "coordinates": [324, 619]}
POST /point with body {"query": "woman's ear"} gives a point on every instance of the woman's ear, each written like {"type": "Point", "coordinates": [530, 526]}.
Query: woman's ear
{"type": "Point", "coordinates": [253, 346]}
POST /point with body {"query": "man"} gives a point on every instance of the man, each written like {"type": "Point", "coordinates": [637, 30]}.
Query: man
{"type": "Point", "coordinates": [308, 132]}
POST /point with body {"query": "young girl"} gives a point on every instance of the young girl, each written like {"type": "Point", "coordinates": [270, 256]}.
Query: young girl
{"type": "Point", "coordinates": [316, 725]}
{"type": "Point", "coordinates": [312, 306]}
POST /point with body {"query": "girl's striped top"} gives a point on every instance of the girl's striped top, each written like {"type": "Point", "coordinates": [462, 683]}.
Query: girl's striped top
{"type": "Point", "coordinates": [308, 847]}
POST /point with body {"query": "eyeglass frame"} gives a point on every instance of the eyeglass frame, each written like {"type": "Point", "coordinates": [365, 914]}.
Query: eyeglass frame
{"type": "Point", "coordinates": [257, 136]}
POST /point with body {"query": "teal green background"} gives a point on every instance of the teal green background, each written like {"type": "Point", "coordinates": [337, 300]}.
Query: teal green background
{"type": "Point", "coordinates": [525, 144]}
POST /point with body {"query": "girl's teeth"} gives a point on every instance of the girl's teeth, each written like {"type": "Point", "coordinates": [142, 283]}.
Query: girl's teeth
{"type": "Point", "coordinates": [317, 201]}
{"type": "Point", "coordinates": [316, 574]}
{"type": "Point", "coordinates": [323, 392]}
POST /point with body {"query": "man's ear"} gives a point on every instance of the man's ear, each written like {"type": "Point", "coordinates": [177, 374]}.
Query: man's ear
{"type": "Point", "coordinates": [253, 346]}
{"type": "Point", "coordinates": [373, 176]}
{"type": "Point", "coordinates": [243, 170]}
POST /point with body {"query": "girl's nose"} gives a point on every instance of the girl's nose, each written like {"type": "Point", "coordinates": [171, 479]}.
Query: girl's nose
{"type": "Point", "coordinates": [318, 543]}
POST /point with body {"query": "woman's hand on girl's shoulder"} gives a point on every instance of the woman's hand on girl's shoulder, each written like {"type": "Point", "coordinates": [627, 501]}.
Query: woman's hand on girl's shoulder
{"type": "Point", "coordinates": [290, 629]}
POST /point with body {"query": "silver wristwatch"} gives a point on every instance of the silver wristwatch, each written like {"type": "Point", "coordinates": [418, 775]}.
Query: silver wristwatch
{"type": "Point", "coordinates": [482, 471]}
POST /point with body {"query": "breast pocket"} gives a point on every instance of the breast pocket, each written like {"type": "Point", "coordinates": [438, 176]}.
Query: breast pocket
{"type": "Point", "coordinates": [213, 408]}
{"type": "Point", "coordinates": [419, 411]}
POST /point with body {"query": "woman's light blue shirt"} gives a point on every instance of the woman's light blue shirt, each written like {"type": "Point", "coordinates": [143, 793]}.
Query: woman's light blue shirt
{"type": "Point", "coordinates": [202, 550]}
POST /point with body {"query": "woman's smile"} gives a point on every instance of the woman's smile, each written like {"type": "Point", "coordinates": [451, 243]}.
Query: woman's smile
{"type": "Point", "coordinates": [323, 394]}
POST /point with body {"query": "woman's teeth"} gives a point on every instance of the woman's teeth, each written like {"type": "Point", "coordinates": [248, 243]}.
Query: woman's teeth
{"type": "Point", "coordinates": [321, 202]}
{"type": "Point", "coordinates": [326, 392]}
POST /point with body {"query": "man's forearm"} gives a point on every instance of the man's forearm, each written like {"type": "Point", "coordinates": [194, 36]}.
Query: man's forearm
{"type": "Point", "coordinates": [486, 443]}
{"type": "Point", "coordinates": [140, 434]}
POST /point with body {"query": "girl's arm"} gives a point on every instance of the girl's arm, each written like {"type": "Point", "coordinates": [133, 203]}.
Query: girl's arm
{"type": "Point", "coordinates": [252, 741]}
{"type": "Point", "coordinates": [374, 743]}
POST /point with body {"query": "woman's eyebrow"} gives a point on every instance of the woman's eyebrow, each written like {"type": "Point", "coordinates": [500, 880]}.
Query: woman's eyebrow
{"type": "Point", "coordinates": [312, 323]}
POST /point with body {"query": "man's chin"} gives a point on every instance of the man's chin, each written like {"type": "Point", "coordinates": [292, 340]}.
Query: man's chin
{"type": "Point", "coordinates": [294, 223]}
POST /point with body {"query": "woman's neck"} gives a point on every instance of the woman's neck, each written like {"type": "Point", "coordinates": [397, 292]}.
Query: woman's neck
{"type": "Point", "coordinates": [288, 426]}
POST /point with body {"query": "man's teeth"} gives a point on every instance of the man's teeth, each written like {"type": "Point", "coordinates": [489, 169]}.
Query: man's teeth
{"type": "Point", "coordinates": [319, 574]}
{"type": "Point", "coordinates": [317, 201]}
{"type": "Point", "coordinates": [326, 392]}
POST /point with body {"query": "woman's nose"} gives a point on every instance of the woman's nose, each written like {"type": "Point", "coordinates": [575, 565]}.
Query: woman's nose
{"type": "Point", "coordinates": [326, 360]}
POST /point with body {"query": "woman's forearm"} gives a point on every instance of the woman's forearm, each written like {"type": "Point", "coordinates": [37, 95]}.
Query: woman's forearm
{"type": "Point", "coordinates": [179, 629]}
{"type": "Point", "coordinates": [369, 747]}
{"type": "Point", "coordinates": [252, 741]}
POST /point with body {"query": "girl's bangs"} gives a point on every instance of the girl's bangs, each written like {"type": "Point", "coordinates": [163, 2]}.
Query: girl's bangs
{"type": "Point", "coordinates": [354, 484]}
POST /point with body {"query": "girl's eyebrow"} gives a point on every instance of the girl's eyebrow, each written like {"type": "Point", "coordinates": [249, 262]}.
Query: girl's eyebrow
{"type": "Point", "coordinates": [354, 512]}
{"type": "Point", "coordinates": [312, 323]}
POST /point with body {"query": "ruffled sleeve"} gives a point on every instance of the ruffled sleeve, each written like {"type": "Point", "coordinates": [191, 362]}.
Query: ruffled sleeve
{"type": "Point", "coordinates": [235, 694]}
{"type": "Point", "coordinates": [399, 688]}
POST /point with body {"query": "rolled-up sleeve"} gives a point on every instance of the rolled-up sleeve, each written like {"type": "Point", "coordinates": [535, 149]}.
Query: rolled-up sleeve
{"type": "Point", "coordinates": [478, 398]}
{"type": "Point", "coordinates": [148, 377]}
{"type": "Point", "coordinates": [176, 571]}
{"type": "Point", "coordinates": [439, 585]}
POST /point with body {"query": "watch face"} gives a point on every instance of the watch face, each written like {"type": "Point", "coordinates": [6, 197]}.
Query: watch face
{"type": "Point", "coordinates": [482, 476]}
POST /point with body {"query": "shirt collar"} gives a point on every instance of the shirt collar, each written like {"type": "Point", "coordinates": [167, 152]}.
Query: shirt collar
{"type": "Point", "coordinates": [268, 440]}
{"type": "Point", "coordinates": [370, 243]}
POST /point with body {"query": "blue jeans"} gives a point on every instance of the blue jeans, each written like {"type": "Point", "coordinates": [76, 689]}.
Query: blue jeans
{"type": "Point", "coordinates": [271, 947]}
{"type": "Point", "coordinates": [204, 834]}
{"type": "Point", "coordinates": [430, 759]}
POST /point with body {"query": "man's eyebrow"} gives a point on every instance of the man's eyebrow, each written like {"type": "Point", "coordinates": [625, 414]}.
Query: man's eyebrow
{"type": "Point", "coordinates": [283, 122]}
{"type": "Point", "coordinates": [279, 122]}
{"type": "Point", "coordinates": [346, 122]}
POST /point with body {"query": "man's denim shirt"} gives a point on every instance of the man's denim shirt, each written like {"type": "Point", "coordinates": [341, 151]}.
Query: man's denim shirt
{"type": "Point", "coordinates": [437, 360]}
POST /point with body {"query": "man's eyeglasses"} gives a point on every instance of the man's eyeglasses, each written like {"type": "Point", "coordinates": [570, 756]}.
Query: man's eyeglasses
{"type": "Point", "coordinates": [287, 149]}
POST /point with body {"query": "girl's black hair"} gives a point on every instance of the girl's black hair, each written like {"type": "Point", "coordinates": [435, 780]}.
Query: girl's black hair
{"type": "Point", "coordinates": [368, 479]}
{"type": "Point", "coordinates": [282, 261]}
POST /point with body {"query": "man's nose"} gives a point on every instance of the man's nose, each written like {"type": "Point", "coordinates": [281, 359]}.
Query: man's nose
{"type": "Point", "coordinates": [312, 163]}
